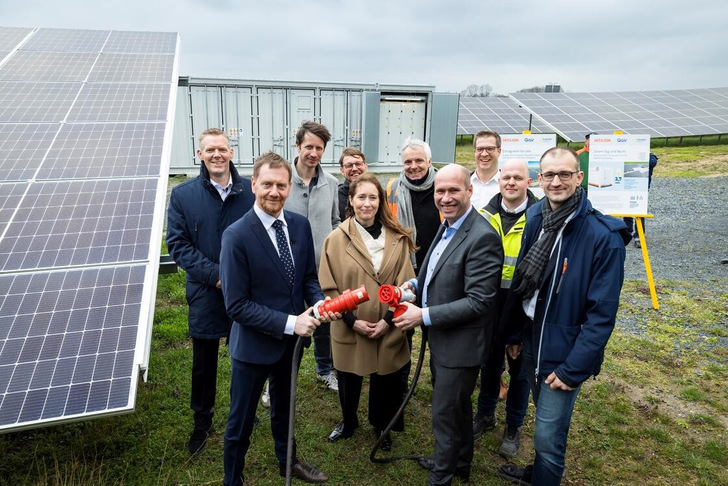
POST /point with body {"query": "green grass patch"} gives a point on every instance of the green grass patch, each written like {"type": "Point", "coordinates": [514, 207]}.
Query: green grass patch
{"type": "Point", "coordinates": [655, 415]}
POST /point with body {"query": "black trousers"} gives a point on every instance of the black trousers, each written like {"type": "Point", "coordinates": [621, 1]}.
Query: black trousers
{"type": "Point", "coordinates": [204, 380]}
{"type": "Point", "coordinates": [386, 393]}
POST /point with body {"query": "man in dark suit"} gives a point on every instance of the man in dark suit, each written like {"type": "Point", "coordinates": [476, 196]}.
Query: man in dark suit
{"type": "Point", "coordinates": [457, 286]}
{"type": "Point", "coordinates": [268, 274]}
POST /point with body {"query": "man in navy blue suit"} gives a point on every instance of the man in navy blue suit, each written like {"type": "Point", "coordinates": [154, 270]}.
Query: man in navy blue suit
{"type": "Point", "coordinates": [269, 276]}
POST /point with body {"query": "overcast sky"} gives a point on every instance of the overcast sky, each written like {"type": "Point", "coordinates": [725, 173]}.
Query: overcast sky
{"type": "Point", "coordinates": [585, 46]}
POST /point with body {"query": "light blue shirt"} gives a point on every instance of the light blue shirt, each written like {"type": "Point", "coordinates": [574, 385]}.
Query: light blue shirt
{"type": "Point", "coordinates": [223, 191]}
{"type": "Point", "coordinates": [268, 221]}
{"type": "Point", "coordinates": [435, 257]}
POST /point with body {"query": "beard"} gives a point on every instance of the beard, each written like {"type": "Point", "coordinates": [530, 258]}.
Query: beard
{"type": "Point", "coordinates": [271, 206]}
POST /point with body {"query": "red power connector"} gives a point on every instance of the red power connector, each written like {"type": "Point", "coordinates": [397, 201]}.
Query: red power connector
{"type": "Point", "coordinates": [394, 296]}
{"type": "Point", "coordinates": [347, 301]}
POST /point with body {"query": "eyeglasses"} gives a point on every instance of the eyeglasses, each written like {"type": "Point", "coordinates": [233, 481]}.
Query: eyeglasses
{"type": "Point", "coordinates": [563, 176]}
{"type": "Point", "coordinates": [358, 165]}
{"type": "Point", "coordinates": [490, 149]}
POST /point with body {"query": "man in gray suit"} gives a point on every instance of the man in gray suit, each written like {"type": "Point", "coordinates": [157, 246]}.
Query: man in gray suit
{"type": "Point", "coordinates": [458, 284]}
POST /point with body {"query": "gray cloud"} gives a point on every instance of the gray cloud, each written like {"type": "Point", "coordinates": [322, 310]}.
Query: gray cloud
{"type": "Point", "coordinates": [594, 46]}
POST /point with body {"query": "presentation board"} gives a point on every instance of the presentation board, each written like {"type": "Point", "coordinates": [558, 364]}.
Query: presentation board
{"type": "Point", "coordinates": [528, 147]}
{"type": "Point", "coordinates": [618, 173]}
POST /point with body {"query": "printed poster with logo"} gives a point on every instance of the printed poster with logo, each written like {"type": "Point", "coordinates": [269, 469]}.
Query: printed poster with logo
{"type": "Point", "coordinates": [529, 148]}
{"type": "Point", "coordinates": [619, 166]}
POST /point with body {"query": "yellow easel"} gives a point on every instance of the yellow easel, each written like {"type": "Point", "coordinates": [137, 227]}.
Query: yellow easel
{"type": "Point", "coordinates": [645, 256]}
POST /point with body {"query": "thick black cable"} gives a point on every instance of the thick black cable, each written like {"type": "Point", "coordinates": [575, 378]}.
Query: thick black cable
{"type": "Point", "coordinates": [292, 407]}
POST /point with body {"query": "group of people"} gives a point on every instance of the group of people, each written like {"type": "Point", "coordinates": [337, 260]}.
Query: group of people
{"type": "Point", "coordinates": [500, 277]}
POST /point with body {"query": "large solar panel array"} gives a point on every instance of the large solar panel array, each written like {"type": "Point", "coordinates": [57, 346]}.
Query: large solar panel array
{"type": "Point", "coordinates": [673, 113]}
{"type": "Point", "coordinates": [84, 160]}
{"type": "Point", "coordinates": [496, 113]}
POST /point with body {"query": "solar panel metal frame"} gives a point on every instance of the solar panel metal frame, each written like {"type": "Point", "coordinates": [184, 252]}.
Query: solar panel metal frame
{"type": "Point", "coordinates": [147, 47]}
{"type": "Point", "coordinates": [669, 113]}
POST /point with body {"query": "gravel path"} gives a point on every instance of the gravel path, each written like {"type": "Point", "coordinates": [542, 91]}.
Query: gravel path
{"type": "Point", "coordinates": [688, 237]}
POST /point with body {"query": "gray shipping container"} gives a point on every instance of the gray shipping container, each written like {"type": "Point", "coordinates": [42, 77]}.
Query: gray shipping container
{"type": "Point", "coordinates": [264, 115]}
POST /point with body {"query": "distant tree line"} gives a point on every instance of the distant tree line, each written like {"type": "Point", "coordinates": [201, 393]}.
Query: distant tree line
{"type": "Point", "coordinates": [486, 90]}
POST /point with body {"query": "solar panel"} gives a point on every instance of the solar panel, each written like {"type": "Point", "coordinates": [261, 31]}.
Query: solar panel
{"type": "Point", "coordinates": [67, 40]}
{"type": "Point", "coordinates": [142, 42]}
{"type": "Point", "coordinates": [657, 113]}
{"type": "Point", "coordinates": [28, 102]}
{"type": "Point", "coordinates": [124, 68]}
{"type": "Point", "coordinates": [108, 102]}
{"type": "Point", "coordinates": [99, 150]}
{"type": "Point", "coordinates": [69, 340]}
{"type": "Point", "coordinates": [62, 67]}
{"type": "Point", "coordinates": [61, 224]}
{"type": "Point", "coordinates": [11, 37]}
{"type": "Point", "coordinates": [495, 113]}
{"type": "Point", "coordinates": [84, 144]}
{"type": "Point", "coordinates": [23, 148]}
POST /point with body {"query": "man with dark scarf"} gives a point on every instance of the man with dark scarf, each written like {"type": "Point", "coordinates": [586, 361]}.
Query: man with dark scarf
{"type": "Point", "coordinates": [566, 293]}
{"type": "Point", "coordinates": [411, 196]}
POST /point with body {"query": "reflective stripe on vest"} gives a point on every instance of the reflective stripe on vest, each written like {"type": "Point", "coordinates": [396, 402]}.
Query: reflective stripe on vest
{"type": "Point", "coordinates": [511, 244]}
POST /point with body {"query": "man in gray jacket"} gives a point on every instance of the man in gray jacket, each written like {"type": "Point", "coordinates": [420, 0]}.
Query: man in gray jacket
{"type": "Point", "coordinates": [314, 194]}
{"type": "Point", "coordinates": [456, 290]}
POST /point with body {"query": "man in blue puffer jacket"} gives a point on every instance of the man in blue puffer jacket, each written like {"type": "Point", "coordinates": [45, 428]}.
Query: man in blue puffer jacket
{"type": "Point", "coordinates": [199, 211]}
{"type": "Point", "coordinates": [566, 289]}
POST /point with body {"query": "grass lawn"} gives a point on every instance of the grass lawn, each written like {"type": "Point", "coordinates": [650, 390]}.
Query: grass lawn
{"type": "Point", "coordinates": [657, 414]}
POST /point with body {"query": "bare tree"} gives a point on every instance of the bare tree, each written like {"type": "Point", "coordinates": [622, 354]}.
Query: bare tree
{"type": "Point", "coordinates": [549, 88]}
{"type": "Point", "coordinates": [478, 90]}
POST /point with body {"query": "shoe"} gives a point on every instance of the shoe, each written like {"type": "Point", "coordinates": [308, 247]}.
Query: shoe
{"type": "Point", "coordinates": [198, 440]}
{"type": "Point", "coordinates": [428, 463]}
{"type": "Point", "coordinates": [386, 443]}
{"type": "Point", "coordinates": [304, 472]}
{"type": "Point", "coordinates": [330, 380]}
{"type": "Point", "coordinates": [482, 423]}
{"type": "Point", "coordinates": [265, 398]}
{"type": "Point", "coordinates": [338, 433]}
{"type": "Point", "coordinates": [518, 475]}
{"type": "Point", "coordinates": [511, 443]}
{"type": "Point", "coordinates": [637, 243]}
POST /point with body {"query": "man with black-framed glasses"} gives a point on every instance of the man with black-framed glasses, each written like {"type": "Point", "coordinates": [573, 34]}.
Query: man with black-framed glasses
{"type": "Point", "coordinates": [487, 150]}
{"type": "Point", "coordinates": [352, 164]}
{"type": "Point", "coordinates": [563, 299]}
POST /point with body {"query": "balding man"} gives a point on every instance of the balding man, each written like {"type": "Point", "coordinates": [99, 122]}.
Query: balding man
{"type": "Point", "coordinates": [458, 285]}
{"type": "Point", "coordinates": [564, 295]}
{"type": "Point", "coordinates": [506, 211]}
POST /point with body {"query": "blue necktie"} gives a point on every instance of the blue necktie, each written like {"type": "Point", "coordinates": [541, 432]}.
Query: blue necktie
{"type": "Point", "coordinates": [283, 250]}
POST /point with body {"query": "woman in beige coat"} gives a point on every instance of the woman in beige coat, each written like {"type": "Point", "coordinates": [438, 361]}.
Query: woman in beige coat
{"type": "Point", "coordinates": [372, 249]}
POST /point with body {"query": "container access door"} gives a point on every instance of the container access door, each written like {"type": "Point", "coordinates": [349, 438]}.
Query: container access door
{"type": "Point", "coordinates": [269, 123]}
{"type": "Point", "coordinates": [301, 107]}
{"type": "Point", "coordinates": [400, 117]}
{"type": "Point", "coordinates": [238, 123]}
